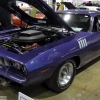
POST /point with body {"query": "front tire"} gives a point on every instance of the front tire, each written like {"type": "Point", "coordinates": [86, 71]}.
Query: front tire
{"type": "Point", "coordinates": [62, 77]}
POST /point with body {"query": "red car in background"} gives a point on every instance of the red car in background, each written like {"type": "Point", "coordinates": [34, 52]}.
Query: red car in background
{"type": "Point", "coordinates": [16, 21]}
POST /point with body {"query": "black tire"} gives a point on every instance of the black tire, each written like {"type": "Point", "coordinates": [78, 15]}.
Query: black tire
{"type": "Point", "coordinates": [54, 84]}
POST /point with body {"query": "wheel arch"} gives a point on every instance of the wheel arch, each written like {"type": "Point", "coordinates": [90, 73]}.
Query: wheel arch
{"type": "Point", "coordinates": [74, 58]}
{"type": "Point", "coordinates": [54, 85]}
{"type": "Point", "coordinates": [77, 60]}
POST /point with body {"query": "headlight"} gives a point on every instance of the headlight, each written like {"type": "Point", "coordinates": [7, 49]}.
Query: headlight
{"type": "Point", "coordinates": [17, 65]}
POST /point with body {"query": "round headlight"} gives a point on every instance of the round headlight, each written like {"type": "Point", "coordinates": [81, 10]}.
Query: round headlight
{"type": "Point", "coordinates": [17, 65]}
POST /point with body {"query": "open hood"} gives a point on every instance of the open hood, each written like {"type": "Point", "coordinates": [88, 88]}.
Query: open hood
{"type": "Point", "coordinates": [69, 5]}
{"type": "Point", "coordinates": [52, 18]}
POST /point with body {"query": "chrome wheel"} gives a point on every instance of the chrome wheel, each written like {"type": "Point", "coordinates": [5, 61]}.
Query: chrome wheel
{"type": "Point", "coordinates": [63, 76]}
{"type": "Point", "coordinates": [65, 73]}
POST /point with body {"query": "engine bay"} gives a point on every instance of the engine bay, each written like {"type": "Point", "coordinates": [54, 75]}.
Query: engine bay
{"type": "Point", "coordinates": [24, 41]}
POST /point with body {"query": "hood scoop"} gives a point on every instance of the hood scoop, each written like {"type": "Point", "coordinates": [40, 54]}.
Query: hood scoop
{"type": "Point", "coordinates": [28, 36]}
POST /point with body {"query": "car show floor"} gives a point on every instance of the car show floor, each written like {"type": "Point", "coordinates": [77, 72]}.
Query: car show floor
{"type": "Point", "coordinates": [86, 86]}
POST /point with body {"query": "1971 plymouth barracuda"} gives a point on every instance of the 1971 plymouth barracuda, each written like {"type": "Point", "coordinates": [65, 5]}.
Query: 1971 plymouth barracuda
{"type": "Point", "coordinates": [51, 49]}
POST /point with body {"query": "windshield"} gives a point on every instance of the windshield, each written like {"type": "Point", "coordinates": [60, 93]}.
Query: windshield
{"type": "Point", "coordinates": [78, 22]}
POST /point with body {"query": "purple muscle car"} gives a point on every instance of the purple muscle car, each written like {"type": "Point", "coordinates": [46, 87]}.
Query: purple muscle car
{"type": "Point", "coordinates": [51, 49]}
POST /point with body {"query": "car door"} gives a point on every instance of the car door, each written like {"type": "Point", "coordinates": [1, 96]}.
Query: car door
{"type": "Point", "coordinates": [95, 37]}
{"type": "Point", "coordinates": [89, 42]}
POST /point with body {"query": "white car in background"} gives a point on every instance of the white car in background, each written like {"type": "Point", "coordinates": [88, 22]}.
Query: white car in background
{"type": "Point", "coordinates": [94, 8]}
{"type": "Point", "coordinates": [69, 5]}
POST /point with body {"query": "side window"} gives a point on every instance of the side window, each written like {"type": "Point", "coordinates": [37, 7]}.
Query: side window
{"type": "Point", "coordinates": [96, 23]}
